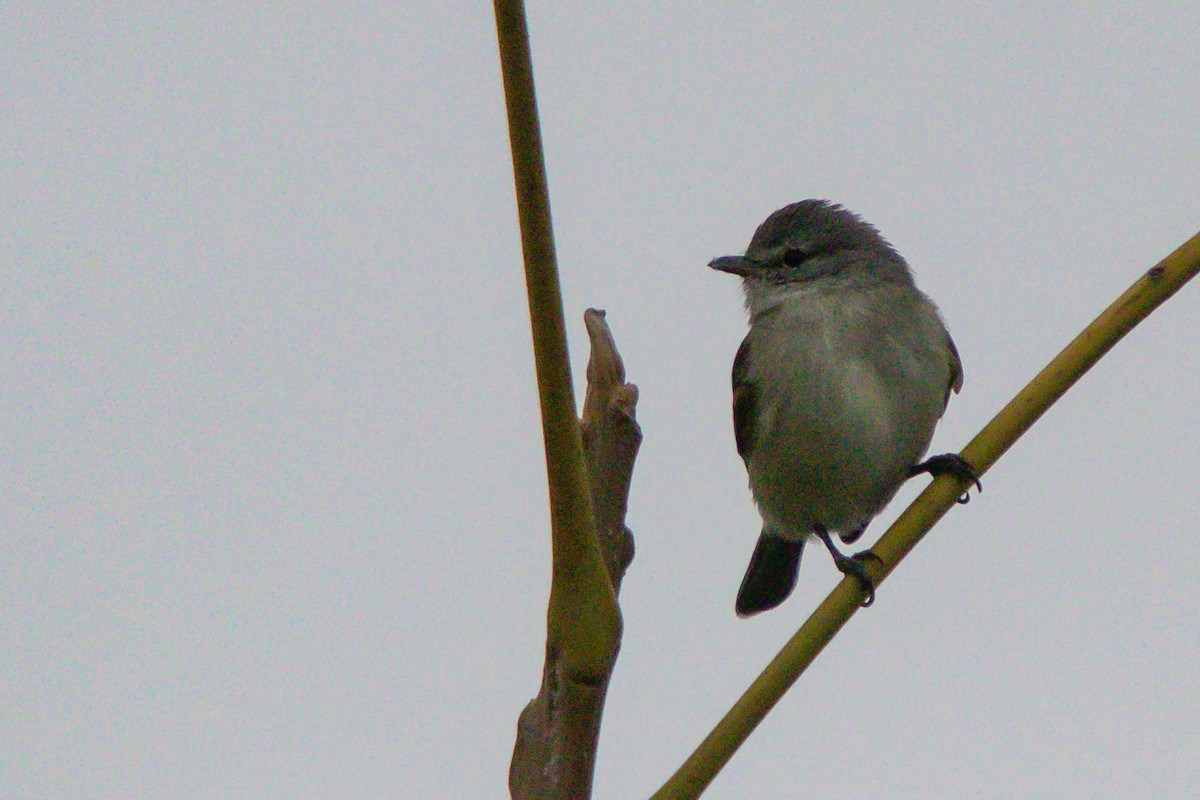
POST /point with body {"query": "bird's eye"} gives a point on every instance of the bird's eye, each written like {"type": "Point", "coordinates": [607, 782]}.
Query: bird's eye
{"type": "Point", "coordinates": [794, 258]}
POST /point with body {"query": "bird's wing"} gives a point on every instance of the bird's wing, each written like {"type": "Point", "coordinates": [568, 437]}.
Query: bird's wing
{"type": "Point", "coordinates": [745, 395]}
{"type": "Point", "coordinates": [956, 369]}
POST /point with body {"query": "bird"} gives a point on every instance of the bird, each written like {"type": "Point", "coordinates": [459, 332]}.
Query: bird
{"type": "Point", "coordinates": [844, 373]}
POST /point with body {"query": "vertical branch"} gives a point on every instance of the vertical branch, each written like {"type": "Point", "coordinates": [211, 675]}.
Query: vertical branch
{"type": "Point", "coordinates": [611, 438]}
{"type": "Point", "coordinates": [583, 619]}
{"type": "Point", "coordinates": [557, 733]}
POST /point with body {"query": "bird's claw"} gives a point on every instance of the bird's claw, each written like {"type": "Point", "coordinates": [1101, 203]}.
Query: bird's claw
{"type": "Point", "coordinates": [856, 565]}
{"type": "Point", "coordinates": [949, 464]}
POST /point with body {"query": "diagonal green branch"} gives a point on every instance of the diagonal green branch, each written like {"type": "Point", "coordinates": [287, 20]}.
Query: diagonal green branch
{"type": "Point", "coordinates": [1149, 292]}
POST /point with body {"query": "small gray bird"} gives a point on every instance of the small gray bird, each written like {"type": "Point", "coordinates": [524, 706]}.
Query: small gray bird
{"type": "Point", "coordinates": [836, 388]}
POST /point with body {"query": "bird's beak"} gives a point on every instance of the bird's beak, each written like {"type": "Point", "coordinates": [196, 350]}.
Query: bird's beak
{"type": "Point", "coordinates": [735, 265]}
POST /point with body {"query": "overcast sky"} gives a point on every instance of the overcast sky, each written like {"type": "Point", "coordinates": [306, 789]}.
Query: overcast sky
{"type": "Point", "coordinates": [272, 492]}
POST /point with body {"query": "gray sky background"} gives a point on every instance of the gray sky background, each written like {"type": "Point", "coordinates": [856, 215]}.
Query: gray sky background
{"type": "Point", "coordinates": [272, 490]}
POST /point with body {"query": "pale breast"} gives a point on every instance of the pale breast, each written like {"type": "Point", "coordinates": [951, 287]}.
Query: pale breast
{"type": "Point", "coordinates": [846, 406]}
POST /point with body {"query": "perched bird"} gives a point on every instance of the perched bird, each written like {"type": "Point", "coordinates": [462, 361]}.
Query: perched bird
{"type": "Point", "coordinates": [837, 388]}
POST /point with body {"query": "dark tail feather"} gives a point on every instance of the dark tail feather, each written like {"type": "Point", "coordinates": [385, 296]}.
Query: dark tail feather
{"type": "Point", "coordinates": [771, 575]}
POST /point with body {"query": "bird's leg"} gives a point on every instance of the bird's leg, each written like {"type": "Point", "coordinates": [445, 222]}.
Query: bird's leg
{"type": "Point", "coordinates": [850, 565]}
{"type": "Point", "coordinates": [949, 464]}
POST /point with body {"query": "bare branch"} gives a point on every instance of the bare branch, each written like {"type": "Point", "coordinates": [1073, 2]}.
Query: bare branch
{"type": "Point", "coordinates": [583, 621]}
{"type": "Point", "coordinates": [611, 438]}
{"type": "Point", "coordinates": [558, 731]}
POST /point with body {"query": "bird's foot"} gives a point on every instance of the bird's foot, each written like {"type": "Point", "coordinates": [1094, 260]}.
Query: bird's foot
{"type": "Point", "coordinates": [949, 464]}
{"type": "Point", "coordinates": [852, 565]}
{"type": "Point", "coordinates": [856, 565]}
